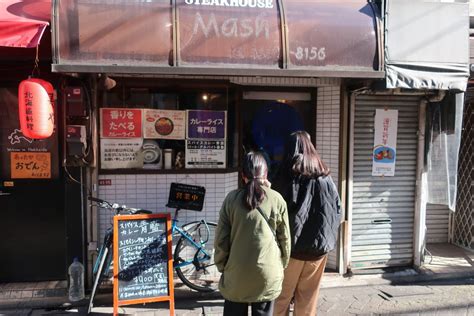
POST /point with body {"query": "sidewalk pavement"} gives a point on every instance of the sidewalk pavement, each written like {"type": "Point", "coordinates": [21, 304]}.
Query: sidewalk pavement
{"type": "Point", "coordinates": [406, 292]}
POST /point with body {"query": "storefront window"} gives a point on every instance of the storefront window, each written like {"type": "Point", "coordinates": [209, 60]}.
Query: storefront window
{"type": "Point", "coordinates": [171, 129]}
{"type": "Point", "coordinates": [115, 32]}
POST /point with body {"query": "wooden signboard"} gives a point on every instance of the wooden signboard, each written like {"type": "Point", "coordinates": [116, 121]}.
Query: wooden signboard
{"type": "Point", "coordinates": [143, 266]}
{"type": "Point", "coordinates": [186, 196]}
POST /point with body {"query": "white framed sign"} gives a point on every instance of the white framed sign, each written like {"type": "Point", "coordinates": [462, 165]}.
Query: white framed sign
{"type": "Point", "coordinates": [384, 153]}
{"type": "Point", "coordinates": [164, 124]}
{"type": "Point", "coordinates": [121, 153]}
{"type": "Point", "coordinates": [205, 154]}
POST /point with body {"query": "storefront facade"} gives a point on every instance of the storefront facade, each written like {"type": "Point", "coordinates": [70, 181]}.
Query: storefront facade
{"type": "Point", "coordinates": [234, 60]}
{"type": "Point", "coordinates": [140, 82]}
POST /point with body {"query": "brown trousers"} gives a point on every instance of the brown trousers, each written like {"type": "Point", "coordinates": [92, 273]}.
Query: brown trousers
{"type": "Point", "coordinates": [301, 282]}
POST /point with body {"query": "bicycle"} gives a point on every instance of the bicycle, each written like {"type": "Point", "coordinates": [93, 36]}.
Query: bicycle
{"type": "Point", "coordinates": [105, 254]}
{"type": "Point", "coordinates": [193, 257]}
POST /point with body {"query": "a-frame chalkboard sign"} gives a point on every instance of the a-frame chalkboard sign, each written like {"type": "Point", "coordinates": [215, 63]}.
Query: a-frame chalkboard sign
{"type": "Point", "coordinates": [143, 266]}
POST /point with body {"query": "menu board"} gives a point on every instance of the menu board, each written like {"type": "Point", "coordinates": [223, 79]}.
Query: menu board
{"type": "Point", "coordinates": [143, 268]}
{"type": "Point", "coordinates": [164, 124]}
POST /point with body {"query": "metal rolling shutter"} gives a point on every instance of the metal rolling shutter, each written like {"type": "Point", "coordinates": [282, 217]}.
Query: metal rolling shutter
{"type": "Point", "coordinates": [383, 207]}
{"type": "Point", "coordinates": [437, 223]}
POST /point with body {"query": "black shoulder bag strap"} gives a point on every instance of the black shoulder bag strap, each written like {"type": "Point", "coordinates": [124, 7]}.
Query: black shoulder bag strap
{"type": "Point", "coordinates": [269, 226]}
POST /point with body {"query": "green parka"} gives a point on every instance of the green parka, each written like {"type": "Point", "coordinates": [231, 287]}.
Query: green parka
{"type": "Point", "coordinates": [246, 252]}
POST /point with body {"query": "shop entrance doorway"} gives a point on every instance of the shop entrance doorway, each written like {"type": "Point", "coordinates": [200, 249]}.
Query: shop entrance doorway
{"type": "Point", "coordinates": [268, 118]}
{"type": "Point", "coordinates": [33, 243]}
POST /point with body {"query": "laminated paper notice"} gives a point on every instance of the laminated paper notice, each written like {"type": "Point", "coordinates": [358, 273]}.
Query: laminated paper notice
{"type": "Point", "coordinates": [121, 153]}
{"type": "Point", "coordinates": [30, 165]}
{"type": "Point", "coordinates": [384, 152]}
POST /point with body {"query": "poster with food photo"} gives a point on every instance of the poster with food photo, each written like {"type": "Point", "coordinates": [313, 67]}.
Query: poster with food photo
{"type": "Point", "coordinates": [164, 124]}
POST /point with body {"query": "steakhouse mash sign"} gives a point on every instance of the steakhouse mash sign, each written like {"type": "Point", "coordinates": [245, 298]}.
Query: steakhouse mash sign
{"type": "Point", "coordinates": [262, 4]}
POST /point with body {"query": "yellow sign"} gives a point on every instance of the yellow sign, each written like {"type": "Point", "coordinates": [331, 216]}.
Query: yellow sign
{"type": "Point", "coordinates": [30, 165]}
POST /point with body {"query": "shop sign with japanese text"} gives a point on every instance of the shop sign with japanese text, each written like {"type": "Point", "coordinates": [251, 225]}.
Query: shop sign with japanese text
{"type": "Point", "coordinates": [205, 154]}
{"type": "Point", "coordinates": [121, 153]}
{"type": "Point", "coordinates": [385, 142]}
{"type": "Point", "coordinates": [30, 165]}
{"type": "Point", "coordinates": [164, 124]}
{"type": "Point", "coordinates": [206, 124]}
{"type": "Point", "coordinates": [120, 123]}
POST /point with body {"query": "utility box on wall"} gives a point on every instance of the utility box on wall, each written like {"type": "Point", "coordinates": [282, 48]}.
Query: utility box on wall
{"type": "Point", "coordinates": [76, 140]}
{"type": "Point", "coordinates": [75, 106]}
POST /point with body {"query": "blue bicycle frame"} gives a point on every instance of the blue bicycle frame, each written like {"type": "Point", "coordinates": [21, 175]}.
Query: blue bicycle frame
{"type": "Point", "coordinates": [199, 246]}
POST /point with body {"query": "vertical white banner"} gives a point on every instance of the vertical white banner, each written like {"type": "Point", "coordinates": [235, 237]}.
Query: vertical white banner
{"type": "Point", "coordinates": [384, 153]}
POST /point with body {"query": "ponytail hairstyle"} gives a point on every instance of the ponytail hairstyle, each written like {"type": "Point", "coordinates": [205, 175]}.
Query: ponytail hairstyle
{"type": "Point", "coordinates": [254, 169]}
{"type": "Point", "coordinates": [302, 158]}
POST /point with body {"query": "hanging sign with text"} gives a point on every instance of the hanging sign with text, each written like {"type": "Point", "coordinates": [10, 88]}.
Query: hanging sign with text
{"type": "Point", "coordinates": [186, 196]}
{"type": "Point", "coordinates": [120, 123]}
{"type": "Point", "coordinates": [385, 142]}
{"type": "Point", "coordinates": [30, 165]}
{"type": "Point", "coordinates": [121, 153]}
{"type": "Point", "coordinates": [164, 124]}
{"type": "Point", "coordinates": [206, 124]}
{"type": "Point", "coordinates": [205, 154]}
{"type": "Point", "coordinates": [143, 266]}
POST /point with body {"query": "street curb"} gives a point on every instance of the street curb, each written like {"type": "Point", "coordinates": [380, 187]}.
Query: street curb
{"type": "Point", "coordinates": [410, 276]}
{"type": "Point", "coordinates": [331, 281]}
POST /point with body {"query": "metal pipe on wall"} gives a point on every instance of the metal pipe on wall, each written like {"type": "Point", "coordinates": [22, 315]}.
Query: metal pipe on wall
{"type": "Point", "coordinates": [420, 200]}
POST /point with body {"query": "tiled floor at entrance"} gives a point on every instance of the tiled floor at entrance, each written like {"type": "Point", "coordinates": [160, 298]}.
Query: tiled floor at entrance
{"type": "Point", "coordinates": [448, 258]}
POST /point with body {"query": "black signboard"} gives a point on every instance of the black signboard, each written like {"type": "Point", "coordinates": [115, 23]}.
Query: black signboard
{"type": "Point", "coordinates": [186, 196]}
{"type": "Point", "coordinates": [142, 259]}
{"type": "Point", "coordinates": [18, 153]}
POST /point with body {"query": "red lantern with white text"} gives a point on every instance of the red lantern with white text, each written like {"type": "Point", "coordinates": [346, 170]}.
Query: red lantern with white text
{"type": "Point", "coordinates": [36, 108]}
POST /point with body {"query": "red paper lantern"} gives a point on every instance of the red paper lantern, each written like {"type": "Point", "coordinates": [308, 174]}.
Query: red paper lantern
{"type": "Point", "coordinates": [35, 102]}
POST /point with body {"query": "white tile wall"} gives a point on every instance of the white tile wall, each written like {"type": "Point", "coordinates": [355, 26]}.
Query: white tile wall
{"type": "Point", "coordinates": [327, 127]}
{"type": "Point", "coordinates": [327, 137]}
{"type": "Point", "coordinates": [150, 191]}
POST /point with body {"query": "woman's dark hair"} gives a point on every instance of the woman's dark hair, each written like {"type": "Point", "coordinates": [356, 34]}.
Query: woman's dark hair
{"type": "Point", "coordinates": [302, 158]}
{"type": "Point", "coordinates": [254, 169]}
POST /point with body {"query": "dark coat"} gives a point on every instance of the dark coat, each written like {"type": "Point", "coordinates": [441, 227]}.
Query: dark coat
{"type": "Point", "coordinates": [314, 211]}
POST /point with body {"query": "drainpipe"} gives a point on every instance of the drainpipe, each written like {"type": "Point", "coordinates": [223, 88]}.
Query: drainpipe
{"type": "Point", "coordinates": [347, 224]}
{"type": "Point", "coordinates": [421, 184]}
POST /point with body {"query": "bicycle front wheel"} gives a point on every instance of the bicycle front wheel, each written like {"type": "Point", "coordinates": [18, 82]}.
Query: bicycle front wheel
{"type": "Point", "coordinates": [194, 257]}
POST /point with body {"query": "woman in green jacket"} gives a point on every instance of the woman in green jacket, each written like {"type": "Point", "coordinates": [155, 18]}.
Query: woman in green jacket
{"type": "Point", "coordinates": [251, 251]}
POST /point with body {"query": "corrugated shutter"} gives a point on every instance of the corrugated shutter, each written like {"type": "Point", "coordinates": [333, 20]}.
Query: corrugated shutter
{"type": "Point", "coordinates": [383, 207]}
{"type": "Point", "coordinates": [437, 223]}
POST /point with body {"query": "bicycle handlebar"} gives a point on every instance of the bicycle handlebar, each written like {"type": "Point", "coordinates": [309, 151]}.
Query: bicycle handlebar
{"type": "Point", "coordinates": [94, 199]}
{"type": "Point", "coordinates": [118, 209]}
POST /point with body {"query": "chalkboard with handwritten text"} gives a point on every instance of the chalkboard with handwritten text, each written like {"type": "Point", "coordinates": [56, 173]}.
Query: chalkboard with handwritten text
{"type": "Point", "coordinates": [142, 259]}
